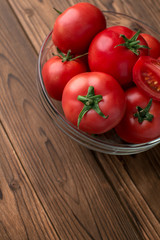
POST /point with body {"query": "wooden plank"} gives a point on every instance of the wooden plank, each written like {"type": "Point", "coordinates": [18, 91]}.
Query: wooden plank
{"type": "Point", "coordinates": [139, 173]}
{"type": "Point", "coordinates": [22, 216]}
{"type": "Point", "coordinates": [37, 17]}
{"type": "Point", "coordinates": [80, 201]}
{"type": "Point", "coordinates": [136, 183]}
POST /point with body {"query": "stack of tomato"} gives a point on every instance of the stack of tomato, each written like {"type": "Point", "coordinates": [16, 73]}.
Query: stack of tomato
{"type": "Point", "coordinates": [106, 77]}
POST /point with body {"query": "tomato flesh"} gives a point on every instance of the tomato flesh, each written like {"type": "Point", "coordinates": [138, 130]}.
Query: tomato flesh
{"type": "Point", "coordinates": [146, 75]}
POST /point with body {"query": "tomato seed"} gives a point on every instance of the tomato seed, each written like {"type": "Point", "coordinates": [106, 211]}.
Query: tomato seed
{"type": "Point", "coordinates": [149, 78]}
{"type": "Point", "coordinates": [155, 82]}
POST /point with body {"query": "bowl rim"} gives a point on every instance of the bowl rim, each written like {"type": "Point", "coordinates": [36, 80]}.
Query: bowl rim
{"type": "Point", "coordinates": [74, 132]}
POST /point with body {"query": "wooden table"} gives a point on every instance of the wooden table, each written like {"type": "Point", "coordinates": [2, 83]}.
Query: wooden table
{"type": "Point", "coordinates": [51, 187]}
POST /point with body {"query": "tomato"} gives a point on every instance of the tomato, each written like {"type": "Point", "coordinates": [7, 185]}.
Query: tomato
{"type": "Point", "coordinates": [146, 75]}
{"type": "Point", "coordinates": [94, 101]}
{"type": "Point", "coordinates": [153, 44]}
{"type": "Point", "coordinates": [76, 26]}
{"type": "Point", "coordinates": [120, 29]}
{"type": "Point", "coordinates": [116, 54]}
{"type": "Point", "coordinates": [134, 127]}
{"type": "Point", "coordinates": [57, 71]}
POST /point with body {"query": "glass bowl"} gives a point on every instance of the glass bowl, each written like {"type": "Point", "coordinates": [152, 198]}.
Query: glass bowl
{"type": "Point", "coordinates": [108, 143]}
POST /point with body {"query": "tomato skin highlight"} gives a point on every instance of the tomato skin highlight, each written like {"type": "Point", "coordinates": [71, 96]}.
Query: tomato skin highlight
{"type": "Point", "coordinates": [76, 26]}
{"type": "Point", "coordinates": [105, 56]}
{"type": "Point", "coordinates": [153, 44]}
{"type": "Point", "coordinates": [129, 129]}
{"type": "Point", "coordinates": [112, 103]}
{"type": "Point", "coordinates": [56, 74]}
{"type": "Point", "coordinates": [146, 75]}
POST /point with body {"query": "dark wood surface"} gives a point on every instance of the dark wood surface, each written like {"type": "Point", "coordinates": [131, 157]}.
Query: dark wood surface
{"type": "Point", "coordinates": [51, 187]}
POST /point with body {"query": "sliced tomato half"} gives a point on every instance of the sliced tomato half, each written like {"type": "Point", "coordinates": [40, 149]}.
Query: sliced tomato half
{"type": "Point", "coordinates": [146, 75]}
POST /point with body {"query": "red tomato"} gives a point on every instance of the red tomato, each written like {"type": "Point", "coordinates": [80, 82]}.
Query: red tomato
{"type": "Point", "coordinates": [130, 129]}
{"type": "Point", "coordinates": [153, 44]}
{"type": "Point", "coordinates": [56, 74]}
{"type": "Point", "coordinates": [105, 54]}
{"type": "Point", "coordinates": [76, 26]}
{"type": "Point", "coordinates": [146, 75]}
{"type": "Point", "coordinates": [120, 29]}
{"type": "Point", "coordinates": [101, 95]}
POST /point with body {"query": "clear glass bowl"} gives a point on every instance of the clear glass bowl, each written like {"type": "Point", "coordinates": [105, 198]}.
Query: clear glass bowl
{"type": "Point", "coordinates": [109, 142]}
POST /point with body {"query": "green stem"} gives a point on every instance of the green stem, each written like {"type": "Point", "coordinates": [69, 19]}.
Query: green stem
{"type": "Point", "coordinates": [90, 101]}
{"type": "Point", "coordinates": [143, 113]}
{"type": "Point", "coordinates": [68, 56]}
{"type": "Point", "coordinates": [79, 56]}
{"type": "Point", "coordinates": [57, 11]}
{"type": "Point", "coordinates": [132, 43]}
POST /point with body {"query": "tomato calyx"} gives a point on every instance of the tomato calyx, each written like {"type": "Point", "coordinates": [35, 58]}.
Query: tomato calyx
{"type": "Point", "coordinates": [59, 12]}
{"type": "Point", "coordinates": [143, 113]}
{"type": "Point", "coordinates": [68, 56]}
{"type": "Point", "coordinates": [90, 101]}
{"type": "Point", "coordinates": [132, 43]}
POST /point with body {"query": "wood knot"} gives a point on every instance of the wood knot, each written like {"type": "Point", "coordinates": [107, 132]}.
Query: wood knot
{"type": "Point", "coordinates": [29, 12]}
{"type": "Point", "coordinates": [14, 185]}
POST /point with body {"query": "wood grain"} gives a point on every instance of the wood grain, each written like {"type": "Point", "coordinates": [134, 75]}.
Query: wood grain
{"type": "Point", "coordinates": [70, 185]}
{"type": "Point", "coordinates": [22, 216]}
{"type": "Point", "coordinates": [86, 195]}
{"type": "Point", "coordinates": [136, 184]}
